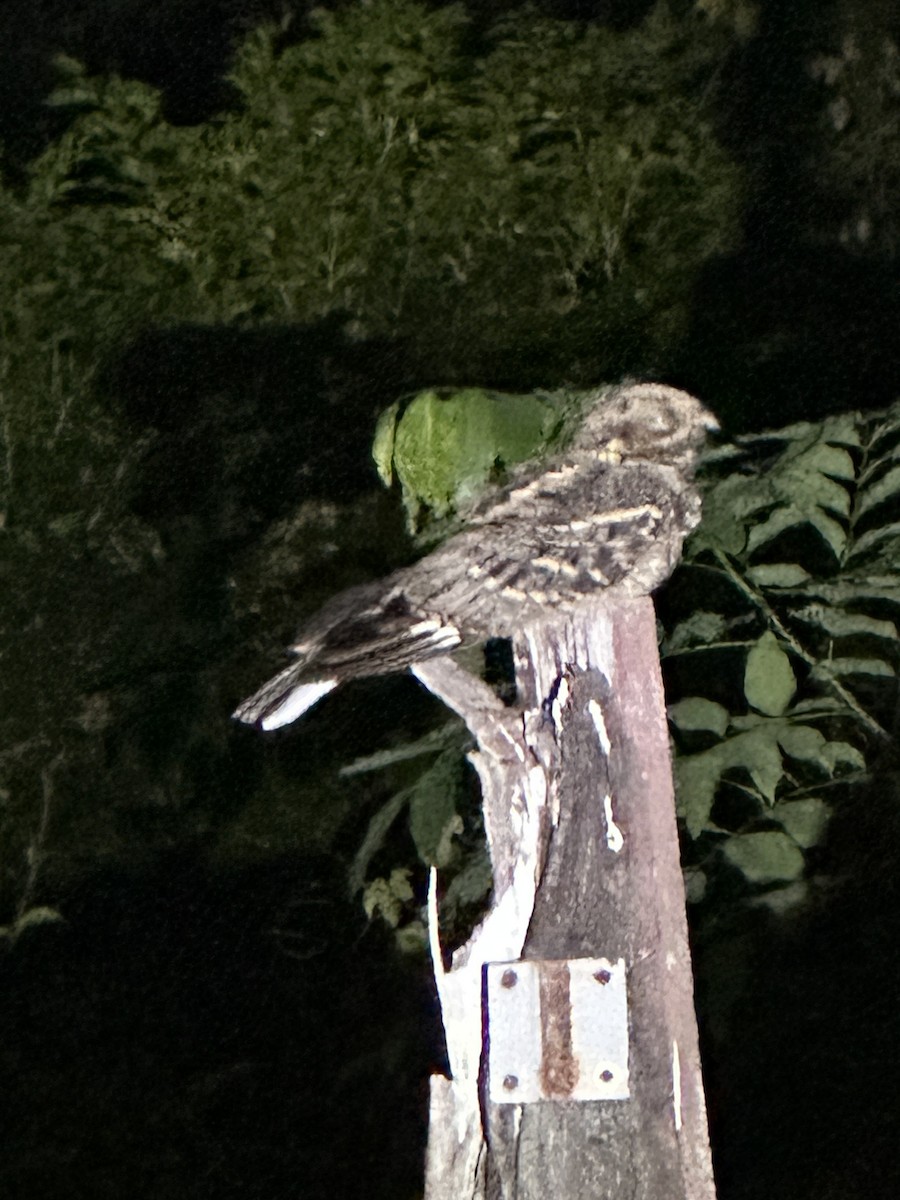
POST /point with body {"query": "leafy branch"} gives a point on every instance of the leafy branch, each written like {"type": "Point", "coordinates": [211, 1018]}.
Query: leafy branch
{"type": "Point", "coordinates": [781, 648]}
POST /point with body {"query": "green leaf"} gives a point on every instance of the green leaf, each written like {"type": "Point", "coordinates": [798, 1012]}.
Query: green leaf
{"type": "Point", "coordinates": [769, 680]}
{"type": "Point", "coordinates": [433, 816]}
{"type": "Point", "coordinates": [804, 820]}
{"type": "Point", "coordinates": [853, 589]}
{"type": "Point", "coordinates": [830, 463]}
{"type": "Point", "coordinates": [803, 742]}
{"type": "Point", "coordinates": [837, 667]}
{"type": "Point", "coordinates": [764, 764]}
{"type": "Point", "coordinates": [451, 735]}
{"type": "Point", "coordinates": [887, 488]}
{"type": "Point", "coordinates": [697, 713]}
{"type": "Point", "coordinates": [778, 575]}
{"type": "Point", "coordinates": [810, 473]}
{"type": "Point", "coordinates": [696, 779]}
{"type": "Point", "coordinates": [386, 897]}
{"type": "Point", "coordinates": [792, 516]}
{"type": "Point", "coordinates": [700, 629]}
{"type": "Point", "coordinates": [447, 448]}
{"type": "Point", "coordinates": [727, 509]}
{"type": "Point", "coordinates": [842, 430]}
{"type": "Point", "coordinates": [873, 538]}
{"type": "Point", "coordinates": [471, 886]}
{"type": "Point", "coordinates": [843, 754]}
{"type": "Point", "coordinates": [881, 557]}
{"type": "Point", "coordinates": [766, 857]}
{"type": "Point", "coordinates": [845, 624]}
{"type": "Point", "coordinates": [697, 776]}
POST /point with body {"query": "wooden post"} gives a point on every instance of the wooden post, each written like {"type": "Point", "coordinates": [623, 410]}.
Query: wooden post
{"type": "Point", "coordinates": [580, 821]}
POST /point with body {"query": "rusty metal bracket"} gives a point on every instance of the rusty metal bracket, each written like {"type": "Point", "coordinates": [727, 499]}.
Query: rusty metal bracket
{"type": "Point", "coordinates": [557, 1030]}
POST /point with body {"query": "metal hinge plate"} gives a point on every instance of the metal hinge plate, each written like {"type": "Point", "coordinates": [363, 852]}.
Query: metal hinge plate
{"type": "Point", "coordinates": [557, 1029]}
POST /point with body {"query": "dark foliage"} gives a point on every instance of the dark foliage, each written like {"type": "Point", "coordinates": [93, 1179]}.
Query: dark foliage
{"type": "Point", "coordinates": [230, 1033]}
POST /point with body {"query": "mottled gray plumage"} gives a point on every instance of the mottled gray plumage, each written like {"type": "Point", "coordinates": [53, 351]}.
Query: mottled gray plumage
{"type": "Point", "coordinates": [611, 512]}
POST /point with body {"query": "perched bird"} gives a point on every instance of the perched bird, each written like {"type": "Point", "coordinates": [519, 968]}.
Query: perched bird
{"type": "Point", "coordinates": [611, 511]}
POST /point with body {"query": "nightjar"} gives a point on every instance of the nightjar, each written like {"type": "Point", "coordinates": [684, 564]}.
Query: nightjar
{"type": "Point", "coordinates": [610, 512]}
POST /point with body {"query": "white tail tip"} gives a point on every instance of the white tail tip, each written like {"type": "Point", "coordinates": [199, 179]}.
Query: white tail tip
{"type": "Point", "coordinates": [296, 702]}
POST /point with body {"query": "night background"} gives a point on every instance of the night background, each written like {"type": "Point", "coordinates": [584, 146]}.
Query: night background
{"type": "Point", "coordinates": [232, 234]}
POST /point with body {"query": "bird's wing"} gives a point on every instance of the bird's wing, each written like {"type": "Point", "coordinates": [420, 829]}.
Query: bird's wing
{"type": "Point", "coordinates": [562, 536]}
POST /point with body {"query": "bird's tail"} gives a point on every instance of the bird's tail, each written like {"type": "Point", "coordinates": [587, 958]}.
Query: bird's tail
{"type": "Point", "coordinates": [373, 629]}
{"type": "Point", "coordinates": [283, 699]}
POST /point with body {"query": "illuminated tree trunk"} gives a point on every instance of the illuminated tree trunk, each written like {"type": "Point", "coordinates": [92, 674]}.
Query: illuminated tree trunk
{"type": "Point", "coordinates": [580, 820]}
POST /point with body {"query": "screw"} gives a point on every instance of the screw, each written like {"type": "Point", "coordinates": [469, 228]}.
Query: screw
{"type": "Point", "coordinates": [510, 1082]}
{"type": "Point", "coordinates": [602, 976]}
{"type": "Point", "coordinates": [606, 1075]}
{"type": "Point", "coordinates": [509, 979]}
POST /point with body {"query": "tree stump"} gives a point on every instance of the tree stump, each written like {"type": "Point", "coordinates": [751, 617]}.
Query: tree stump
{"type": "Point", "coordinates": [580, 822]}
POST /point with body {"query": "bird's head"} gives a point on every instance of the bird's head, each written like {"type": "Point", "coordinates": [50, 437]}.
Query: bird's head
{"type": "Point", "coordinates": [649, 421]}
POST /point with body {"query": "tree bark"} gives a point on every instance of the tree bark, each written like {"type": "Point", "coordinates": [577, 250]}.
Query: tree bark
{"type": "Point", "coordinates": [580, 820]}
